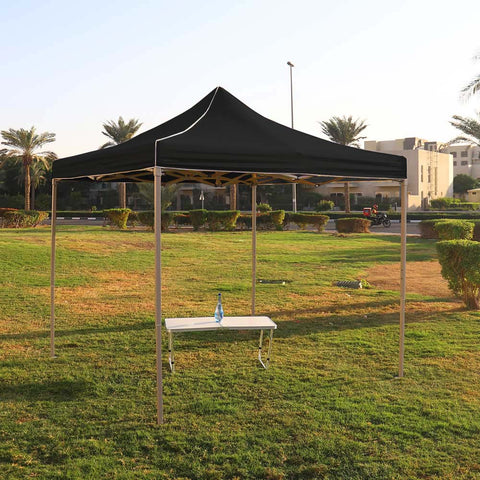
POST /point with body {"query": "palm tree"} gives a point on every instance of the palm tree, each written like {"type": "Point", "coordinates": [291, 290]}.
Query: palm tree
{"type": "Point", "coordinates": [22, 146]}
{"type": "Point", "coordinates": [470, 127]}
{"type": "Point", "coordinates": [120, 132]}
{"type": "Point", "coordinates": [345, 131]}
{"type": "Point", "coordinates": [473, 87]}
{"type": "Point", "coordinates": [38, 177]}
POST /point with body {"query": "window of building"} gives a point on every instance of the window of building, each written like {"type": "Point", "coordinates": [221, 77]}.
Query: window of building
{"type": "Point", "coordinates": [473, 193]}
{"type": "Point", "coordinates": [464, 153]}
{"type": "Point", "coordinates": [454, 163]}
{"type": "Point", "coordinates": [464, 162]}
{"type": "Point", "coordinates": [454, 154]}
{"type": "Point", "coordinates": [429, 174]}
{"type": "Point", "coordinates": [421, 173]}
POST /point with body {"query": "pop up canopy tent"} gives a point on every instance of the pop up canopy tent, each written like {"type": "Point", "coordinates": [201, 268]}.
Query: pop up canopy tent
{"type": "Point", "coordinates": [220, 141]}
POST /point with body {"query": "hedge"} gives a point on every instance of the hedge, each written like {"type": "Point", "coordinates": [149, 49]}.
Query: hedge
{"type": "Point", "coordinates": [353, 225]}
{"type": "Point", "coordinates": [23, 218]}
{"type": "Point", "coordinates": [304, 219]}
{"type": "Point", "coordinates": [427, 229]}
{"type": "Point", "coordinates": [324, 205]}
{"type": "Point", "coordinates": [448, 229]}
{"type": "Point", "coordinates": [222, 220]}
{"type": "Point", "coordinates": [460, 261]}
{"type": "Point", "coordinates": [454, 229]}
{"type": "Point", "coordinates": [118, 216]}
{"type": "Point", "coordinates": [198, 218]}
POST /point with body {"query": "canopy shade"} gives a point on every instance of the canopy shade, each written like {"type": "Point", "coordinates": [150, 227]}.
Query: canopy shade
{"type": "Point", "coordinates": [219, 141]}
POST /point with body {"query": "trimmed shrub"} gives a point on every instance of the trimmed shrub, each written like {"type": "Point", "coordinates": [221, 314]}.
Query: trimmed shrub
{"type": "Point", "coordinates": [147, 218]}
{"type": "Point", "coordinates": [118, 216]}
{"type": "Point", "coordinates": [244, 221]}
{"type": "Point", "coordinates": [222, 220]}
{"type": "Point", "coordinates": [427, 229]}
{"type": "Point", "coordinates": [267, 221]}
{"type": "Point", "coordinates": [353, 225]}
{"type": "Point", "coordinates": [454, 229]}
{"type": "Point", "coordinates": [3, 211]}
{"type": "Point", "coordinates": [198, 218]}
{"type": "Point", "coordinates": [443, 203]}
{"type": "Point", "coordinates": [324, 205]}
{"type": "Point", "coordinates": [277, 217]}
{"type": "Point", "coordinates": [23, 218]}
{"type": "Point", "coordinates": [263, 207]}
{"type": "Point", "coordinates": [304, 219]}
{"type": "Point", "coordinates": [460, 261]}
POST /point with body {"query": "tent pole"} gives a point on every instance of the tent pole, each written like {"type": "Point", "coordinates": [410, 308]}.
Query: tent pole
{"type": "Point", "coordinates": [158, 290]}
{"type": "Point", "coordinates": [254, 244]}
{"type": "Point", "coordinates": [53, 227]}
{"type": "Point", "coordinates": [403, 272]}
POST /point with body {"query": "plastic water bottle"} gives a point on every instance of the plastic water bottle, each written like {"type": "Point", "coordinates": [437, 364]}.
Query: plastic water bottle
{"type": "Point", "coordinates": [219, 310]}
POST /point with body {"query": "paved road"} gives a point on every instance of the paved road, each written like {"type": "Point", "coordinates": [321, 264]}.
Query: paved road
{"type": "Point", "coordinates": [412, 228]}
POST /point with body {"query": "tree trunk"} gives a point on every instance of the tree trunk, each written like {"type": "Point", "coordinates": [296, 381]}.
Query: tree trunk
{"type": "Point", "coordinates": [28, 183]}
{"type": "Point", "coordinates": [233, 197]}
{"type": "Point", "coordinates": [122, 194]}
{"type": "Point", "coordinates": [32, 198]}
{"type": "Point", "coordinates": [347, 197]}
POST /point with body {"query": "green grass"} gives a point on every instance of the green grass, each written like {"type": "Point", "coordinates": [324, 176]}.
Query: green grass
{"type": "Point", "coordinates": [328, 407]}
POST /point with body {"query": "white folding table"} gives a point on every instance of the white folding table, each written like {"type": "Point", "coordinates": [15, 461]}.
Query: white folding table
{"type": "Point", "coordinates": [200, 324]}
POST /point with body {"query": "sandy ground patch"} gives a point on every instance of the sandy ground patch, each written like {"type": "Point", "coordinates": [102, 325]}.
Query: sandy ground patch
{"type": "Point", "coordinates": [422, 277]}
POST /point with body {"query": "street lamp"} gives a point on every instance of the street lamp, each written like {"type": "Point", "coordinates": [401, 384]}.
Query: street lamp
{"type": "Point", "coordinates": [202, 198]}
{"type": "Point", "coordinates": [294, 186]}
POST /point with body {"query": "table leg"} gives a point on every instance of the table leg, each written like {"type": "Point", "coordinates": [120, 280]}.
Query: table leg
{"type": "Point", "coordinates": [260, 345]}
{"type": "Point", "coordinates": [171, 358]}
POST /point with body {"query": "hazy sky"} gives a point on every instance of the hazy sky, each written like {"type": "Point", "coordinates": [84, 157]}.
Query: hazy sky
{"type": "Point", "coordinates": [67, 67]}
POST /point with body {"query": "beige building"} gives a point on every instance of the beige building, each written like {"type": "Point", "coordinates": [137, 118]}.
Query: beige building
{"type": "Point", "coordinates": [429, 173]}
{"type": "Point", "coordinates": [466, 159]}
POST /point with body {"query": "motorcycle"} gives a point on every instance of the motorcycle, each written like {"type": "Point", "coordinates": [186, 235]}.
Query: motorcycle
{"type": "Point", "coordinates": [378, 219]}
{"type": "Point", "coordinates": [381, 219]}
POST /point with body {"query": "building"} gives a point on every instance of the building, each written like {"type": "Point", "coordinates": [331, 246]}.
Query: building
{"type": "Point", "coordinates": [466, 159]}
{"type": "Point", "coordinates": [429, 171]}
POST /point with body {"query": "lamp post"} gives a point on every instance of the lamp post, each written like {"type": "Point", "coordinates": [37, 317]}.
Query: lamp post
{"type": "Point", "coordinates": [202, 198]}
{"type": "Point", "coordinates": [294, 186]}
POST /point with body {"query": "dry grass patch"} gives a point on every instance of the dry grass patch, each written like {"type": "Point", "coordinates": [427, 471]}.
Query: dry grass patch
{"type": "Point", "coordinates": [423, 278]}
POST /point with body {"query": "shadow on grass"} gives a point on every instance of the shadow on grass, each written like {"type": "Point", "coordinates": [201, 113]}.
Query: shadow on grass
{"type": "Point", "coordinates": [80, 331]}
{"type": "Point", "coordinates": [60, 391]}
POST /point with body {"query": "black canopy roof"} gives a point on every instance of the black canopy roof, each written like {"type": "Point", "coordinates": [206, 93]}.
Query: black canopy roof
{"type": "Point", "coordinates": [221, 140]}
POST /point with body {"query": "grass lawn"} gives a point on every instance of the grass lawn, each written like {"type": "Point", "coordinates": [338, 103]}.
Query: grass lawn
{"type": "Point", "coordinates": [328, 407]}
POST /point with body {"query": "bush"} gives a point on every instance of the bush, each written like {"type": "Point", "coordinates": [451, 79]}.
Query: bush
{"type": "Point", "coordinates": [353, 225]}
{"type": "Point", "coordinates": [147, 218]}
{"type": "Point", "coordinates": [443, 203]}
{"type": "Point", "coordinates": [460, 261]}
{"type": "Point", "coordinates": [263, 207]}
{"type": "Point", "coordinates": [198, 218]}
{"type": "Point", "coordinates": [454, 229]}
{"type": "Point", "coordinates": [324, 205]}
{"type": "Point", "coordinates": [118, 216]}
{"type": "Point", "coordinates": [222, 220]}
{"type": "Point", "coordinates": [265, 221]}
{"type": "Point", "coordinates": [23, 218]}
{"type": "Point", "coordinates": [427, 229]}
{"type": "Point", "coordinates": [304, 219]}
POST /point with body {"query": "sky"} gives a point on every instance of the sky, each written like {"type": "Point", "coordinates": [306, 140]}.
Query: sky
{"type": "Point", "coordinates": [68, 67]}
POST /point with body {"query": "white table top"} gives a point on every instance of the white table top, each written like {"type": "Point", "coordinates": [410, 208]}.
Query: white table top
{"type": "Point", "coordinates": [227, 323]}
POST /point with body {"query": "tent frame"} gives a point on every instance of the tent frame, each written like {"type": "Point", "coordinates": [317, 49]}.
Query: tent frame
{"type": "Point", "coordinates": [158, 172]}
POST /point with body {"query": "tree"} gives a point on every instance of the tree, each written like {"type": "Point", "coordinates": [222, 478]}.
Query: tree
{"type": "Point", "coordinates": [38, 176]}
{"type": "Point", "coordinates": [120, 132]}
{"type": "Point", "coordinates": [463, 182]}
{"type": "Point", "coordinates": [469, 126]}
{"type": "Point", "coordinates": [168, 194]}
{"type": "Point", "coordinates": [473, 87]}
{"type": "Point", "coordinates": [345, 131]}
{"type": "Point", "coordinates": [22, 146]}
